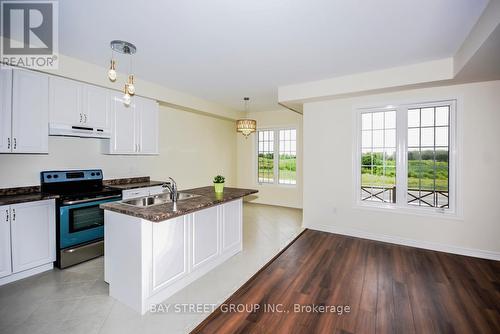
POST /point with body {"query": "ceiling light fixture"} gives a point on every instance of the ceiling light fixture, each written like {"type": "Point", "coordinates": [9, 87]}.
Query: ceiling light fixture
{"type": "Point", "coordinates": [128, 49]}
{"type": "Point", "coordinates": [246, 126]}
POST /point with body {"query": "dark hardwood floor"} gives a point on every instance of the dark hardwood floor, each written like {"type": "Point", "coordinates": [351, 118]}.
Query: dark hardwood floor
{"type": "Point", "coordinates": [389, 289]}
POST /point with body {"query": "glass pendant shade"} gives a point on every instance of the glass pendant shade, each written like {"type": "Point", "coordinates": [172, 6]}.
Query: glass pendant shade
{"type": "Point", "coordinates": [246, 126]}
{"type": "Point", "coordinates": [126, 96]}
{"type": "Point", "coordinates": [112, 72]}
{"type": "Point", "coordinates": [130, 85]}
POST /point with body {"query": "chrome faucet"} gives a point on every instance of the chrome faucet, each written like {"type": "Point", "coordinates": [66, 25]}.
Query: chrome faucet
{"type": "Point", "coordinates": [172, 188]}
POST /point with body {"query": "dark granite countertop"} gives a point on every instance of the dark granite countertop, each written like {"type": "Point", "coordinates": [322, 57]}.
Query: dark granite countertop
{"type": "Point", "coordinates": [161, 212]}
{"type": "Point", "coordinates": [33, 193]}
{"type": "Point", "coordinates": [23, 194]}
{"type": "Point", "coordinates": [132, 183]}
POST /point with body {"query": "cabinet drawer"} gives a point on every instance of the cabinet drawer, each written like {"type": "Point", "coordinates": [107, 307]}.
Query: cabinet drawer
{"type": "Point", "coordinates": [134, 193]}
{"type": "Point", "coordinates": [156, 190]}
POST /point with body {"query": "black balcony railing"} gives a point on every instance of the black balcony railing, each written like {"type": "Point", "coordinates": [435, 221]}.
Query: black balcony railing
{"type": "Point", "coordinates": [417, 197]}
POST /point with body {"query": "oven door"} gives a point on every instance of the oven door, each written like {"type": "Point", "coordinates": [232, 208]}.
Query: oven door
{"type": "Point", "coordinates": [82, 222]}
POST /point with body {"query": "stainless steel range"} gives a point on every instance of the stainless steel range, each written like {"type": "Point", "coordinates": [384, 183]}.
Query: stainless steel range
{"type": "Point", "coordinates": [80, 221]}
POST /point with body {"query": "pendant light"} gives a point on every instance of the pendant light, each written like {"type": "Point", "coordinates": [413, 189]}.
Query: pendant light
{"type": "Point", "coordinates": [112, 71]}
{"type": "Point", "coordinates": [128, 49]}
{"type": "Point", "coordinates": [246, 126]}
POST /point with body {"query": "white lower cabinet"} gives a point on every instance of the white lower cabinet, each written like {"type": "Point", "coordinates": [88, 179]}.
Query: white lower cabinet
{"type": "Point", "coordinates": [32, 234]}
{"type": "Point", "coordinates": [5, 250]}
{"type": "Point", "coordinates": [28, 239]}
{"type": "Point", "coordinates": [231, 226]}
{"type": "Point", "coordinates": [147, 261]}
{"type": "Point", "coordinates": [205, 235]}
{"type": "Point", "coordinates": [170, 245]}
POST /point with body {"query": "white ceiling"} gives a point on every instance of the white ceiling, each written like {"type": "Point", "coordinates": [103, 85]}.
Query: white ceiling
{"type": "Point", "coordinates": [222, 50]}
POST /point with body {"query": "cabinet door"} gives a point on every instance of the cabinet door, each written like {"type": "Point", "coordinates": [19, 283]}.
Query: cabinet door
{"type": "Point", "coordinates": [231, 226]}
{"type": "Point", "coordinates": [96, 105]}
{"type": "Point", "coordinates": [205, 236]}
{"type": "Point", "coordinates": [30, 112]}
{"type": "Point", "coordinates": [65, 101]}
{"type": "Point", "coordinates": [5, 259]}
{"type": "Point", "coordinates": [123, 137]}
{"type": "Point", "coordinates": [170, 251]}
{"type": "Point", "coordinates": [147, 126]}
{"type": "Point", "coordinates": [5, 109]}
{"type": "Point", "coordinates": [33, 234]}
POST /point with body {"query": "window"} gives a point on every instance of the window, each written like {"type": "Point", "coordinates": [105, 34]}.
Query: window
{"type": "Point", "coordinates": [282, 144]}
{"type": "Point", "coordinates": [378, 151]}
{"type": "Point", "coordinates": [266, 156]}
{"type": "Point", "coordinates": [406, 157]}
{"type": "Point", "coordinates": [288, 156]}
{"type": "Point", "coordinates": [428, 156]}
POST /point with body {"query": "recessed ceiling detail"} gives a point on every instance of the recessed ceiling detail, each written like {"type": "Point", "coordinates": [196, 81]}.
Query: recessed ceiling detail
{"type": "Point", "coordinates": [222, 50]}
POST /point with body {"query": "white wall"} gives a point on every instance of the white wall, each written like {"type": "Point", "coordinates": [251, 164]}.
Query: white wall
{"type": "Point", "coordinates": [328, 177]}
{"type": "Point", "coordinates": [193, 149]}
{"type": "Point", "coordinates": [282, 195]}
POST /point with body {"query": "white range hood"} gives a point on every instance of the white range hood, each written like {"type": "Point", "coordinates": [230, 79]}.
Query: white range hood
{"type": "Point", "coordinates": [56, 129]}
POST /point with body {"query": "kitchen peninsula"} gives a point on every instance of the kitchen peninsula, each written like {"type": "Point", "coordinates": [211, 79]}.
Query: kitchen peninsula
{"type": "Point", "coordinates": [153, 251]}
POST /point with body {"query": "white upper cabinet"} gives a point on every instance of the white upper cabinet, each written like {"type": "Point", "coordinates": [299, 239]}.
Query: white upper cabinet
{"type": "Point", "coordinates": [96, 105]}
{"type": "Point", "coordinates": [30, 112]}
{"type": "Point", "coordinates": [134, 128]}
{"type": "Point", "coordinates": [65, 101]}
{"type": "Point", "coordinates": [79, 107]}
{"type": "Point", "coordinates": [147, 125]}
{"type": "Point", "coordinates": [123, 138]}
{"type": "Point", "coordinates": [5, 109]}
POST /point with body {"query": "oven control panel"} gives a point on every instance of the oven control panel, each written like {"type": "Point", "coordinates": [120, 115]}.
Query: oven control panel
{"type": "Point", "coordinates": [70, 175]}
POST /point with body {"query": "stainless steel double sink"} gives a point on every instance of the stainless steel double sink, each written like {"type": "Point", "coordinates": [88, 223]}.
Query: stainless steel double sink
{"type": "Point", "coordinates": [157, 199]}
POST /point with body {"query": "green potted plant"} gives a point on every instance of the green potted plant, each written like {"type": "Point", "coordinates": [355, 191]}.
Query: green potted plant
{"type": "Point", "coordinates": [219, 184]}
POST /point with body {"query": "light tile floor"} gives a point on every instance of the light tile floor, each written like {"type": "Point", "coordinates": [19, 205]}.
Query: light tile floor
{"type": "Point", "coordinates": [75, 300]}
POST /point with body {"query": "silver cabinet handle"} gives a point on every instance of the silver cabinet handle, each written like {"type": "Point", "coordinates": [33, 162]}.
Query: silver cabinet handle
{"type": "Point", "coordinates": [7, 215]}
{"type": "Point", "coordinates": [13, 214]}
{"type": "Point", "coordinates": [85, 117]}
{"type": "Point", "coordinates": [8, 143]}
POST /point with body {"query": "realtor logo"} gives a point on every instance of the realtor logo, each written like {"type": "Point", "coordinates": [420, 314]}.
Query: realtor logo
{"type": "Point", "coordinates": [29, 33]}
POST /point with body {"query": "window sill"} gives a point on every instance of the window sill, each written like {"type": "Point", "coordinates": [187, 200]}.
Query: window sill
{"type": "Point", "coordinates": [406, 210]}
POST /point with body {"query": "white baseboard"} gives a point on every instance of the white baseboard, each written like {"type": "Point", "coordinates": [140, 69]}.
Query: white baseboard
{"type": "Point", "coordinates": [483, 254]}
{"type": "Point", "coordinates": [26, 273]}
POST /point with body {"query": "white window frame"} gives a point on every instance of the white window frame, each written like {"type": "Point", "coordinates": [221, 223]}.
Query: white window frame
{"type": "Point", "coordinates": [276, 131]}
{"type": "Point", "coordinates": [401, 206]}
